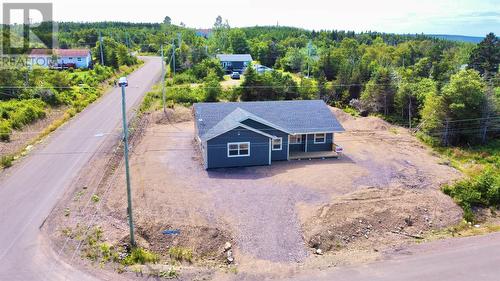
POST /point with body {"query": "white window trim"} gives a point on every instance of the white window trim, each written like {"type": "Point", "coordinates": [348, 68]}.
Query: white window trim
{"type": "Point", "coordinates": [238, 143]}
{"type": "Point", "coordinates": [281, 144]}
{"type": "Point", "coordinates": [320, 142]}
{"type": "Point", "coordinates": [300, 136]}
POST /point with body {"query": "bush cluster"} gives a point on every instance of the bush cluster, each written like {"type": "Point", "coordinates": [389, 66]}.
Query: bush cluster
{"type": "Point", "coordinates": [140, 256]}
{"type": "Point", "coordinates": [483, 191]}
{"type": "Point", "coordinates": [14, 114]}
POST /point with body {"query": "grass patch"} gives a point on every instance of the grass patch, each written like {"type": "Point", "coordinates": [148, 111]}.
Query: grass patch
{"type": "Point", "coordinates": [351, 111]}
{"type": "Point", "coordinates": [6, 161]}
{"type": "Point", "coordinates": [140, 256]}
{"type": "Point", "coordinates": [482, 186]}
{"type": "Point", "coordinates": [180, 254]}
{"type": "Point", "coordinates": [482, 190]}
{"type": "Point", "coordinates": [463, 229]}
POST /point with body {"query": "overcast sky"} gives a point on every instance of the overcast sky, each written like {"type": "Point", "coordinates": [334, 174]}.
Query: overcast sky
{"type": "Point", "coordinates": [464, 17]}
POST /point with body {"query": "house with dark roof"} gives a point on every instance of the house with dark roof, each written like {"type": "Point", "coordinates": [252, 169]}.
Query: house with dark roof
{"type": "Point", "coordinates": [237, 134]}
{"type": "Point", "coordinates": [234, 62]}
{"type": "Point", "coordinates": [61, 58]}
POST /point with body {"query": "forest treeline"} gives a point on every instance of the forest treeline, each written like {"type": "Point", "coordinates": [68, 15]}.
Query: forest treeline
{"type": "Point", "coordinates": [449, 89]}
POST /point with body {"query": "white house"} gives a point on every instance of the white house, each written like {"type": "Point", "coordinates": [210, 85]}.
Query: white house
{"type": "Point", "coordinates": [60, 58]}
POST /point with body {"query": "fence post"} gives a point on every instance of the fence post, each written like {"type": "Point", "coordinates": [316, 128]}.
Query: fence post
{"type": "Point", "coordinates": [485, 128]}
{"type": "Point", "coordinates": [446, 132]}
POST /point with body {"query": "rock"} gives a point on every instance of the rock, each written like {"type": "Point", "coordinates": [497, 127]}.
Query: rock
{"type": "Point", "coordinates": [230, 258]}
{"type": "Point", "coordinates": [227, 247]}
{"type": "Point", "coordinates": [477, 225]}
{"type": "Point", "coordinates": [318, 252]}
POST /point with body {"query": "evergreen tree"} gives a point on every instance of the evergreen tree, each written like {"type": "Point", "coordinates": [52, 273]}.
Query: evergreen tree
{"type": "Point", "coordinates": [486, 57]}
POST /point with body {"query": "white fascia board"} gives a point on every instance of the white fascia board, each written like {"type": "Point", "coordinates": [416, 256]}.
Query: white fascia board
{"type": "Point", "coordinates": [243, 126]}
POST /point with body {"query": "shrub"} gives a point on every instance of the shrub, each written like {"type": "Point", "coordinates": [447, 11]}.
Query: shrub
{"type": "Point", "coordinates": [140, 256]}
{"type": "Point", "coordinates": [180, 254]}
{"type": "Point", "coordinates": [5, 131]}
{"type": "Point", "coordinates": [482, 190]}
{"type": "Point", "coordinates": [6, 161]}
{"type": "Point", "coordinates": [202, 69]}
{"type": "Point", "coordinates": [186, 95]}
{"type": "Point", "coordinates": [17, 113]}
{"type": "Point", "coordinates": [184, 78]}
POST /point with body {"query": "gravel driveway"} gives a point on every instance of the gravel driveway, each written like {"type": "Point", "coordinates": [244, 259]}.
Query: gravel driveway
{"type": "Point", "coordinates": [265, 207]}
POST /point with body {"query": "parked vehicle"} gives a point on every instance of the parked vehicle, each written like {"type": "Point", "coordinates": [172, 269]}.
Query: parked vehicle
{"type": "Point", "coordinates": [235, 75]}
{"type": "Point", "coordinates": [262, 68]}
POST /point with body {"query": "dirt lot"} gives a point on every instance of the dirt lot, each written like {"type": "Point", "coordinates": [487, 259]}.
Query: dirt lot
{"type": "Point", "coordinates": [353, 209]}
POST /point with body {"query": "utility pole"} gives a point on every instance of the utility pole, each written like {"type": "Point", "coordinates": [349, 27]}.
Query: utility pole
{"type": "Point", "coordinates": [123, 83]}
{"type": "Point", "coordinates": [173, 57]}
{"type": "Point", "coordinates": [409, 112]}
{"type": "Point", "coordinates": [489, 97]}
{"type": "Point", "coordinates": [127, 40]}
{"type": "Point", "coordinates": [100, 47]}
{"type": "Point", "coordinates": [163, 81]}
{"type": "Point", "coordinates": [309, 46]}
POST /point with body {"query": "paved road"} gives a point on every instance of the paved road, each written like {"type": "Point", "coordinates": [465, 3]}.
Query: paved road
{"type": "Point", "coordinates": [30, 190]}
{"type": "Point", "coordinates": [461, 259]}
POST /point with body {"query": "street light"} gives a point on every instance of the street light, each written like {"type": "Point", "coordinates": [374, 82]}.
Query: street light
{"type": "Point", "coordinates": [123, 83]}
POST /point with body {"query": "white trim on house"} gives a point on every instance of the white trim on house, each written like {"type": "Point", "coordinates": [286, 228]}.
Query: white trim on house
{"type": "Point", "coordinates": [238, 149]}
{"type": "Point", "coordinates": [244, 126]}
{"type": "Point", "coordinates": [305, 150]}
{"type": "Point", "coordinates": [318, 132]}
{"type": "Point", "coordinates": [267, 123]}
{"type": "Point", "coordinates": [281, 144]}
{"type": "Point", "coordinates": [270, 145]}
{"type": "Point", "coordinates": [316, 137]}
{"type": "Point", "coordinates": [288, 149]}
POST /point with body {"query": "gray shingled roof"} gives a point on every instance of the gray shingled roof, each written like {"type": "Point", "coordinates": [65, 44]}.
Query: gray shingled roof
{"type": "Point", "coordinates": [234, 57]}
{"type": "Point", "coordinates": [293, 117]}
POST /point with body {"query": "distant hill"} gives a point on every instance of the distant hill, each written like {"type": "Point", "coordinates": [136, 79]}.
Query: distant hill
{"type": "Point", "coordinates": [460, 38]}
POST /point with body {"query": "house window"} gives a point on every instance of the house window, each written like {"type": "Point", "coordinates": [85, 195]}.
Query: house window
{"type": "Point", "coordinates": [320, 138]}
{"type": "Point", "coordinates": [70, 58]}
{"type": "Point", "coordinates": [295, 139]}
{"type": "Point", "coordinates": [79, 59]}
{"type": "Point", "coordinates": [238, 149]}
{"type": "Point", "coordinates": [277, 143]}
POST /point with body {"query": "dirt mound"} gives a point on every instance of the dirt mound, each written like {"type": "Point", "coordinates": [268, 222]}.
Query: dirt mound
{"type": "Point", "coordinates": [360, 123]}
{"type": "Point", "coordinates": [379, 216]}
{"type": "Point", "coordinates": [174, 115]}
{"type": "Point", "coordinates": [341, 115]}
{"type": "Point", "coordinates": [206, 243]}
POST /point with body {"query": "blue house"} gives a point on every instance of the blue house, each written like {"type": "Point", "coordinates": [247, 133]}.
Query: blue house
{"type": "Point", "coordinates": [236, 134]}
{"type": "Point", "coordinates": [234, 62]}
